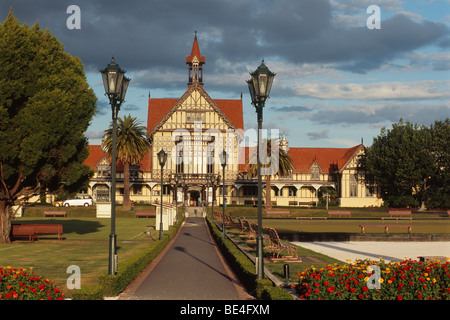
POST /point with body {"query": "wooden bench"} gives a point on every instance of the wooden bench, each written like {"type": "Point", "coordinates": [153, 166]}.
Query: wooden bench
{"type": "Point", "coordinates": [33, 231]}
{"type": "Point", "coordinates": [146, 214]}
{"type": "Point", "coordinates": [293, 203]}
{"type": "Point", "coordinates": [278, 212]}
{"type": "Point", "coordinates": [55, 214]}
{"type": "Point", "coordinates": [307, 203]}
{"type": "Point", "coordinates": [385, 226]}
{"type": "Point", "coordinates": [311, 218]}
{"type": "Point", "coordinates": [339, 213]}
{"type": "Point", "coordinates": [23, 230]}
{"type": "Point", "coordinates": [277, 247]}
{"type": "Point", "coordinates": [249, 202]}
{"type": "Point", "coordinates": [400, 213]}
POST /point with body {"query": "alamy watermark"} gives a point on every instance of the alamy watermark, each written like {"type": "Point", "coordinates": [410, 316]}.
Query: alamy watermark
{"type": "Point", "coordinates": [190, 149]}
{"type": "Point", "coordinates": [374, 20]}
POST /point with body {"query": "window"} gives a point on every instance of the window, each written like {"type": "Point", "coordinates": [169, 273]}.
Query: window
{"type": "Point", "coordinates": [250, 191]}
{"type": "Point", "coordinates": [137, 189]}
{"type": "Point", "coordinates": [104, 171]}
{"type": "Point", "coordinates": [353, 185]}
{"type": "Point", "coordinates": [221, 190]}
{"type": "Point", "coordinates": [192, 117]}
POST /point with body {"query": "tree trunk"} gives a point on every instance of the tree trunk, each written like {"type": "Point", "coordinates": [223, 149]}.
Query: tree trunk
{"type": "Point", "coordinates": [5, 222]}
{"type": "Point", "coordinates": [126, 186]}
{"type": "Point", "coordinates": [268, 193]}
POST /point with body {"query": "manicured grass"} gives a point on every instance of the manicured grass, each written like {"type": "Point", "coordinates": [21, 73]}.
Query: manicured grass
{"type": "Point", "coordinates": [85, 244]}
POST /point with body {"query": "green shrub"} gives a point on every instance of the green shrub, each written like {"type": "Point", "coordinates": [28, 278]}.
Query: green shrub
{"type": "Point", "coordinates": [244, 269]}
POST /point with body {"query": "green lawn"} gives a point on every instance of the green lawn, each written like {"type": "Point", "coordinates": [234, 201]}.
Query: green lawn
{"type": "Point", "coordinates": [85, 244]}
{"type": "Point", "coordinates": [85, 241]}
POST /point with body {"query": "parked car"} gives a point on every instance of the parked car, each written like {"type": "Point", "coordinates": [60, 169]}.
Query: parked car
{"type": "Point", "coordinates": [57, 203]}
{"type": "Point", "coordinates": [80, 200]}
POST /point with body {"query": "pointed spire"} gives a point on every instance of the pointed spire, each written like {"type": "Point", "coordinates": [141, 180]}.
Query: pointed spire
{"type": "Point", "coordinates": [195, 52]}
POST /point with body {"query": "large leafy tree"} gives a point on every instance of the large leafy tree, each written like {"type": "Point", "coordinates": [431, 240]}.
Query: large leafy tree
{"type": "Point", "coordinates": [410, 163]}
{"type": "Point", "coordinates": [274, 162]}
{"type": "Point", "coordinates": [132, 145]}
{"type": "Point", "coordinates": [46, 106]}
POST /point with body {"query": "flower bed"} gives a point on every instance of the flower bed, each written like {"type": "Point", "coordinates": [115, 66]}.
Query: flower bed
{"type": "Point", "coordinates": [376, 280]}
{"type": "Point", "coordinates": [23, 284]}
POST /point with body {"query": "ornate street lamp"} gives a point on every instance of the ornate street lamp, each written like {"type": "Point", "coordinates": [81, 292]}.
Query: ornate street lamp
{"type": "Point", "coordinates": [223, 159]}
{"type": "Point", "coordinates": [259, 86]}
{"type": "Point", "coordinates": [162, 158]}
{"type": "Point", "coordinates": [116, 85]}
{"type": "Point", "coordinates": [212, 194]}
{"type": "Point", "coordinates": [177, 181]}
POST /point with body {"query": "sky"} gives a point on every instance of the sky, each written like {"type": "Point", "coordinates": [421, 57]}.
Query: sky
{"type": "Point", "coordinates": [344, 68]}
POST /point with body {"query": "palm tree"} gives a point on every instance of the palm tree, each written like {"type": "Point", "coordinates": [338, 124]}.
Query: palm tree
{"type": "Point", "coordinates": [132, 145]}
{"type": "Point", "coordinates": [285, 166]}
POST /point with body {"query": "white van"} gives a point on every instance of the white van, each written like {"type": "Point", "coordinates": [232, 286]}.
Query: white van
{"type": "Point", "coordinates": [80, 200]}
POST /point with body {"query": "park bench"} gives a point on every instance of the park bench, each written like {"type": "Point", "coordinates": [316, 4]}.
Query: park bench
{"type": "Point", "coordinates": [307, 203]}
{"type": "Point", "coordinates": [293, 203]}
{"type": "Point", "coordinates": [249, 202]}
{"type": "Point", "coordinates": [277, 247]}
{"type": "Point", "coordinates": [55, 214]}
{"type": "Point", "coordinates": [311, 218]}
{"type": "Point", "coordinates": [400, 213]}
{"type": "Point", "coordinates": [34, 230]}
{"type": "Point", "coordinates": [339, 213]}
{"type": "Point", "coordinates": [145, 214]}
{"type": "Point", "coordinates": [278, 212]}
{"type": "Point", "coordinates": [385, 226]}
{"type": "Point", "coordinates": [23, 230]}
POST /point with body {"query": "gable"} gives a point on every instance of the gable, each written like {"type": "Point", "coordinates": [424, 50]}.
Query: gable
{"type": "Point", "coordinates": [194, 105]}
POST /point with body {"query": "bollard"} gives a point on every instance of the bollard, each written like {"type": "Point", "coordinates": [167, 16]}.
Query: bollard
{"type": "Point", "coordinates": [286, 271]}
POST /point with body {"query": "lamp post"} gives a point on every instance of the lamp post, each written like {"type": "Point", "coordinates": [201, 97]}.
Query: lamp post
{"type": "Point", "coordinates": [259, 86]}
{"type": "Point", "coordinates": [212, 194]}
{"type": "Point", "coordinates": [223, 159]}
{"type": "Point", "coordinates": [177, 181]}
{"type": "Point", "coordinates": [116, 85]}
{"type": "Point", "coordinates": [162, 157]}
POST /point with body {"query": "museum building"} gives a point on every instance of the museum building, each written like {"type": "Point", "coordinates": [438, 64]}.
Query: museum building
{"type": "Point", "coordinates": [195, 129]}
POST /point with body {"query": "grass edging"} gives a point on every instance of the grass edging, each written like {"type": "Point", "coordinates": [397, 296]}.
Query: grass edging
{"type": "Point", "coordinates": [112, 285]}
{"type": "Point", "coordinates": [244, 269]}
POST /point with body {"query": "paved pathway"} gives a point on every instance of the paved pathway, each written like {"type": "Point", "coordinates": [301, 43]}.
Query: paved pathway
{"type": "Point", "coordinates": [191, 268]}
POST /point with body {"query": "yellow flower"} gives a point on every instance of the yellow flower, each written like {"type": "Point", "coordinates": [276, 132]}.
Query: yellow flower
{"type": "Point", "coordinates": [381, 280]}
{"type": "Point", "coordinates": [434, 280]}
{"type": "Point", "coordinates": [366, 279]}
{"type": "Point", "coordinates": [389, 281]}
{"type": "Point", "coordinates": [425, 274]}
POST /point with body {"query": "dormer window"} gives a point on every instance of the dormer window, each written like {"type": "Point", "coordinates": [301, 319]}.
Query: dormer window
{"type": "Point", "coordinates": [315, 171]}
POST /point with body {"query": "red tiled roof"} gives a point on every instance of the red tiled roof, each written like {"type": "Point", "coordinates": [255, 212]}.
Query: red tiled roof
{"type": "Point", "coordinates": [330, 160]}
{"type": "Point", "coordinates": [157, 109]}
{"type": "Point", "coordinates": [96, 154]}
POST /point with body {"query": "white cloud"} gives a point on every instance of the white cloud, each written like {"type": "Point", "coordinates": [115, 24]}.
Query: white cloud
{"type": "Point", "coordinates": [418, 90]}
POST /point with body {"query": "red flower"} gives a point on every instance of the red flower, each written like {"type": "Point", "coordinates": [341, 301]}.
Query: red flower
{"type": "Point", "coordinates": [316, 291]}
{"type": "Point", "coordinates": [365, 288]}
{"type": "Point", "coordinates": [331, 289]}
{"type": "Point", "coordinates": [399, 297]}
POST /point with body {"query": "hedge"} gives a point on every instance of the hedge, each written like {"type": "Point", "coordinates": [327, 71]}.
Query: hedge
{"type": "Point", "coordinates": [244, 269]}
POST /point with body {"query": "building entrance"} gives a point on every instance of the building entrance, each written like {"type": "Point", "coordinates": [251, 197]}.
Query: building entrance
{"type": "Point", "coordinates": [194, 197]}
